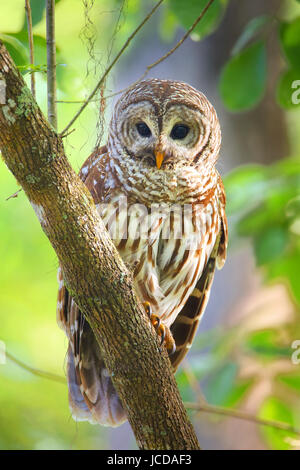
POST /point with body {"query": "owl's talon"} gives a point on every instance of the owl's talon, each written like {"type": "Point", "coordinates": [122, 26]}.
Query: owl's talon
{"type": "Point", "coordinates": [162, 333]}
{"type": "Point", "coordinates": [147, 307]}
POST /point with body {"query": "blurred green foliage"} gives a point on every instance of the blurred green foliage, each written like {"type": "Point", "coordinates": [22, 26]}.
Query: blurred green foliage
{"type": "Point", "coordinates": [246, 75]}
{"type": "Point", "coordinates": [187, 12]}
{"type": "Point", "coordinates": [263, 205]}
{"type": "Point", "coordinates": [264, 198]}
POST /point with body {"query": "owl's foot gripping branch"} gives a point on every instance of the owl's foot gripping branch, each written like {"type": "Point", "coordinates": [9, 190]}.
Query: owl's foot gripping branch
{"type": "Point", "coordinates": [162, 330]}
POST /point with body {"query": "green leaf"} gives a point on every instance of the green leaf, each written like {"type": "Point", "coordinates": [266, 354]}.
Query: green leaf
{"type": "Point", "coordinates": [37, 12]}
{"type": "Point", "coordinates": [293, 208]}
{"type": "Point", "coordinates": [289, 35]}
{"type": "Point", "coordinates": [168, 25]}
{"type": "Point", "coordinates": [40, 46]}
{"type": "Point", "coordinates": [29, 68]}
{"type": "Point", "coordinates": [291, 380]}
{"type": "Point", "coordinates": [220, 384]}
{"type": "Point", "coordinates": [293, 215]}
{"type": "Point", "coordinates": [266, 344]}
{"type": "Point", "coordinates": [16, 48]}
{"type": "Point", "coordinates": [275, 409]}
{"type": "Point", "coordinates": [288, 167]}
{"type": "Point", "coordinates": [287, 268]}
{"type": "Point", "coordinates": [245, 185]}
{"type": "Point", "coordinates": [243, 78]}
{"type": "Point", "coordinates": [288, 89]}
{"type": "Point", "coordinates": [237, 393]}
{"type": "Point", "coordinates": [64, 74]}
{"type": "Point", "coordinates": [203, 365]}
{"type": "Point", "coordinates": [187, 12]}
{"type": "Point", "coordinates": [292, 212]}
{"type": "Point", "coordinates": [271, 244]}
{"type": "Point", "coordinates": [207, 339]}
{"type": "Point", "coordinates": [184, 385]}
{"type": "Point", "coordinates": [251, 29]}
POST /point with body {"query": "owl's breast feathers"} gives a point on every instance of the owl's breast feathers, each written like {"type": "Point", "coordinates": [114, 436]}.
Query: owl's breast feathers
{"type": "Point", "coordinates": [168, 244]}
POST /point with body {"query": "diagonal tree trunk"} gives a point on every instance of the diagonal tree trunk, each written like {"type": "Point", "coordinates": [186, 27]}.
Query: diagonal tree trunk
{"type": "Point", "coordinates": [93, 270]}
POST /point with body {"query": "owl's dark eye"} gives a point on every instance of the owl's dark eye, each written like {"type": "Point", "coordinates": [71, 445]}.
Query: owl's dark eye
{"type": "Point", "coordinates": [179, 131]}
{"type": "Point", "coordinates": [143, 129]}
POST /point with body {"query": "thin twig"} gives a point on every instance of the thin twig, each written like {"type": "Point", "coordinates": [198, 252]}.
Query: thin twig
{"type": "Point", "coordinates": [14, 195]}
{"type": "Point", "coordinates": [237, 414]}
{"type": "Point", "coordinates": [38, 372]}
{"type": "Point", "coordinates": [171, 51]}
{"type": "Point", "coordinates": [218, 410]}
{"type": "Point", "coordinates": [106, 72]}
{"type": "Point", "coordinates": [147, 70]}
{"type": "Point", "coordinates": [30, 41]}
{"type": "Point", "coordinates": [70, 132]}
{"type": "Point", "coordinates": [184, 37]}
{"type": "Point", "coordinates": [51, 62]}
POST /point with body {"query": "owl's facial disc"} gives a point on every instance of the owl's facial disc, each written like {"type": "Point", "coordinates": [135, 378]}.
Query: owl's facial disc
{"type": "Point", "coordinates": [159, 136]}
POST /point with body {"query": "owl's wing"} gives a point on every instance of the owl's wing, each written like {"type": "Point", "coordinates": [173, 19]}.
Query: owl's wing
{"type": "Point", "coordinates": [185, 326]}
{"type": "Point", "coordinates": [92, 395]}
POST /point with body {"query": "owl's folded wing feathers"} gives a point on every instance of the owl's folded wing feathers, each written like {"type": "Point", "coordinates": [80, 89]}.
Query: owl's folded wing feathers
{"type": "Point", "coordinates": [185, 326]}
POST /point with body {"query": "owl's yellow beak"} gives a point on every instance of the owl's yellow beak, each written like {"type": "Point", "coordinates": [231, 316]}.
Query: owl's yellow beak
{"type": "Point", "coordinates": [159, 156]}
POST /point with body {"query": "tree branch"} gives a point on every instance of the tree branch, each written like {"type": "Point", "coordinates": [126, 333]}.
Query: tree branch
{"type": "Point", "coordinates": [94, 273]}
{"type": "Point", "coordinates": [243, 415]}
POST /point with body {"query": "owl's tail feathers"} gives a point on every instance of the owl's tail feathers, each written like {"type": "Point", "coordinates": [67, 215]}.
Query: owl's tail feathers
{"type": "Point", "coordinates": [92, 396]}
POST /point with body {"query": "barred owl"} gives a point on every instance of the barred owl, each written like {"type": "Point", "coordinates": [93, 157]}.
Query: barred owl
{"type": "Point", "coordinates": [162, 200]}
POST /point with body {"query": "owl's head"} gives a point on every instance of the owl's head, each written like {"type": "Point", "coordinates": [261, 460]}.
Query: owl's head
{"type": "Point", "coordinates": [165, 124]}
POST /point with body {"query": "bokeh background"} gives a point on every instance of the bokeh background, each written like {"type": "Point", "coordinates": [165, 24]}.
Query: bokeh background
{"type": "Point", "coordinates": [245, 56]}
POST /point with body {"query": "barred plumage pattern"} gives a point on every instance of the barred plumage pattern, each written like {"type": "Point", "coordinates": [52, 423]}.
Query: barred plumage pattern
{"type": "Point", "coordinates": [173, 257]}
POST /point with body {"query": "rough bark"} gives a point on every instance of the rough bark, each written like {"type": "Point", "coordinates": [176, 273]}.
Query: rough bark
{"type": "Point", "coordinates": [93, 270]}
